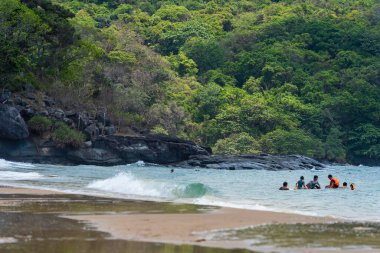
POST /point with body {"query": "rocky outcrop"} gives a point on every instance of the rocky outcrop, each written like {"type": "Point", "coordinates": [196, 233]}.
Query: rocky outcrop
{"type": "Point", "coordinates": [12, 125]}
{"type": "Point", "coordinates": [152, 149]}
{"type": "Point", "coordinates": [249, 162]}
{"type": "Point", "coordinates": [105, 151]}
{"type": "Point", "coordinates": [104, 148]}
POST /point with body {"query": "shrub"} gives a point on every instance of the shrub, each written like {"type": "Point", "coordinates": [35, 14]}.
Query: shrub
{"type": "Point", "coordinates": [66, 136]}
{"type": "Point", "coordinates": [281, 142]}
{"type": "Point", "coordinates": [40, 124]}
{"type": "Point", "coordinates": [159, 130]}
{"type": "Point", "coordinates": [237, 144]}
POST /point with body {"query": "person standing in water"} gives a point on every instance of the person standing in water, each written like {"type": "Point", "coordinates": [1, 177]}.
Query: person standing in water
{"type": "Point", "coordinates": [314, 184]}
{"type": "Point", "coordinates": [301, 183]}
{"type": "Point", "coordinates": [344, 185]}
{"type": "Point", "coordinates": [334, 182]}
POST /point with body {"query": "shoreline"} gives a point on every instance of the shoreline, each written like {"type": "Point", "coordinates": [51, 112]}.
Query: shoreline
{"type": "Point", "coordinates": [180, 229]}
{"type": "Point", "coordinates": [153, 224]}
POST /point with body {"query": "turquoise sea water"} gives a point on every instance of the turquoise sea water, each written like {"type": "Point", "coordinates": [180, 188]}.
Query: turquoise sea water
{"type": "Point", "coordinates": [249, 189]}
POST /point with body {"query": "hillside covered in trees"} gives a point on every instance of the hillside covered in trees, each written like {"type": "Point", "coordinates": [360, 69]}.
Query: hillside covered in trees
{"type": "Point", "coordinates": [241, 76]}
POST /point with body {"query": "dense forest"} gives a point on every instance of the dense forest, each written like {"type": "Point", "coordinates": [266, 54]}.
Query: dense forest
{"type": "Point", "coordinates": [241, 76]}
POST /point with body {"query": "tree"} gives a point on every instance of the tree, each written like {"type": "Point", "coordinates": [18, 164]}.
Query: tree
{"type": "Point", "coordinates": [291, 142]}
{"type": "Point", "coordinates": [237, 144]}
{"type": "Point", "coordinates": [208, 54]}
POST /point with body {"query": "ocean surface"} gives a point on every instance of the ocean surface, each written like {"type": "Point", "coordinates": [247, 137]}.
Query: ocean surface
{"type": "Point", "coordinates": [248, 189]}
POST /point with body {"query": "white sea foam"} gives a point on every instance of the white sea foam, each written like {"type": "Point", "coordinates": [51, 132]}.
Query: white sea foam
{"type": "Point", "coordinates": [4, 164]}
{"type": "Point", "coordinates": [15, 176]}
{"type": "Point", "coordinates": [126, 183]}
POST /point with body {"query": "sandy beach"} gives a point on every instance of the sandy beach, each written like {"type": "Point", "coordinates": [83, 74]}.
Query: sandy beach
{"type": "Point", "coordinates": [187, 228]}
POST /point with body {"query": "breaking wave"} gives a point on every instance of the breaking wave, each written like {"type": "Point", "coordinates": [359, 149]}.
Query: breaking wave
{"type": "Point", "coordinates": [126, 183]}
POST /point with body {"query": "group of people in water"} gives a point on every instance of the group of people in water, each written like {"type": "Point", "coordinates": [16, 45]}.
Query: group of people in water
{"type": "Point", "coordinates": [314, 184]}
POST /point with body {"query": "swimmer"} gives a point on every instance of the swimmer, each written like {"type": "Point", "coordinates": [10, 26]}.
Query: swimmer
{"type": "Point", "coordinates": [284, 187]}
{"type": "Point", "coordinates": [301, 183]}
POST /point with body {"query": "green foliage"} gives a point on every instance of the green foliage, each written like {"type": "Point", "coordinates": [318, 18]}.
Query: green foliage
{"type": "Point", "coordinates": [159, 130]}
{"type": "Point", "coordinates": [207, 54]}
{"type": "Point", "coordinates": [121, 57]}
{"type": "Point", "coordinates": [66, 136]}
{"type": "Point", "coordinates": [334, 148]}
{"type": "Point", "coordinates": [40, 124]}
{"type": "Point", "coordinates": [173, 13]}
{"type": "Point", "coordinates": [183, 65]}
{"type": "Point", "coordinates": [291, 142]}
{"type": "Point", "coordinates": [237, 144]}
{"type": "Point", "coordinates": [298, 76]}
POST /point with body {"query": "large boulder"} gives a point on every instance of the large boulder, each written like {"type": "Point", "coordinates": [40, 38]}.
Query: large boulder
{"type": "Point", "coordinates": [152, 149]}
{"type": "Point", "coordinates": [12, 125]}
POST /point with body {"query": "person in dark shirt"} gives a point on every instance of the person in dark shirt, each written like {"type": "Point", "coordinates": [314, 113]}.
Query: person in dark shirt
{"type": "Point", "coordinates": [301, 183]}
{"type": "Point", "coordinates": [284, 186]}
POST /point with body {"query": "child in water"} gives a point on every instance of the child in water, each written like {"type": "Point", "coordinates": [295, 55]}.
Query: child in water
{"type": "Point", "coordinates": [301, 183]}
{"type": "Point", "coordinates": [353, 186]}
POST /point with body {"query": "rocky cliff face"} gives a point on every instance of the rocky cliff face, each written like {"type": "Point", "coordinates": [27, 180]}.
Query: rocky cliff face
{"type": "Point", "coordinates": [104, 148]}
{"type": "Point", "coordinates": [12, 125]}
{"type": "Point", "coordinates": [105, 151]}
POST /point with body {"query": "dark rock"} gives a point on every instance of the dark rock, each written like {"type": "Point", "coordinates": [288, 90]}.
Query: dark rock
{"type": "Point", "coordinates": [208, 149]}
{"type": "Point", "coordinates": [101, 118]}
{"type": "Point", "coordinates": [19, 101]}
{"type": "Point", "coordinates": [71, 114]}
{"type": "Point", "coordinates": [43, 113]}
{"type": "Point", "coordinates": [92, 132]}
{"type": "Point", "coordinates": [12, 125]}
{"type": "Point", "coordinates": [31, 96]}
{"type": "Point", "coordinates": [49, 101]}
{"type": "Point", "coordinates": [115, 150]}
{"type": "Point", "coordinates": [83, 121]}
{"type": "Point", "coordinates": [88, 144]}
{"type": "Point", "coordinates": [9, 102]}
{"type": "Point", "coordinates": [110, 130]}
{"type": "Point", "coordinates": [152, 149]}
{"type": "Point", "coordinates": [19, 108]}
{"type": "Point", "coordinates": [27, 113]}
{"type": "Point", "coordinates": [68, 121]}
{"type": "Point", "coordinates": [248, 162]}
{"type": "Point", "coordinates": [5, 96]}
{"type": "Point", "coordinates": [28, 88]}
{"type": "Point", "coordinates": [58, 113]}
{"type": "Point", "coordinates": [94, 156]}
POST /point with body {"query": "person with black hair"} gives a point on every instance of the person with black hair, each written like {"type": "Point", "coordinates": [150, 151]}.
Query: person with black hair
{"type": "Point", "coordinates": [301, 183]}
{"type": "Point", "coordinates": [284, 186]}
{"type": "Point", "coordinates": [314, 184]}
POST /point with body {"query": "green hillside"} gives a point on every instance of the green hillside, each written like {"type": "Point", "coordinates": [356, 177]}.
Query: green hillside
{"type": "Point", "coordinates": [241, 76]}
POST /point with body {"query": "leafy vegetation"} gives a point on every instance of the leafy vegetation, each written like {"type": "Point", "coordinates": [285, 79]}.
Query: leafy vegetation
{"type": "Point", "coordinates": [64, 136]}
{"type": "Point", "coordinates": [40, 124]}
{"type": "Point", "coordinates": [282, 76]}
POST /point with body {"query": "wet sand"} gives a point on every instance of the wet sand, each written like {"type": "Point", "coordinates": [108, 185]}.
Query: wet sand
{"type": "Point", "coordinates": [13, 190]}
{"type": "Point", "coordinates": [187, 228]}
{"type": "Point", "coordinates": [178, 228]}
